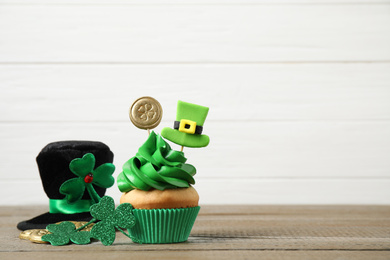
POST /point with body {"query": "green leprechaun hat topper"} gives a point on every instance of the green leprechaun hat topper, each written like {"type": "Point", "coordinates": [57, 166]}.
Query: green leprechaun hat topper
{"type": "Point", "coordinates": [188, 127]}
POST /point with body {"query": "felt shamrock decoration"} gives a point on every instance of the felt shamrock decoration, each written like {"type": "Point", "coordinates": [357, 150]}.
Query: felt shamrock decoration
{"type": "Point", "coordinates": [111, 219]}
{"type": "Point", "coordinates": [103, 209]}
{"type": "Point", "coordinates": [83, 168]}
{"type": "Point", "coordinates": [65, 232]}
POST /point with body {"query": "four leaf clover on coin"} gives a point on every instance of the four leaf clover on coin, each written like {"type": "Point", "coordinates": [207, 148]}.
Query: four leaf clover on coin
{"type": "Point", "coordinates": [83, 167]}
{"type": "Point", "coordinates": [111, 219]}
{"type": "Point", "coordinates": [147, 111]}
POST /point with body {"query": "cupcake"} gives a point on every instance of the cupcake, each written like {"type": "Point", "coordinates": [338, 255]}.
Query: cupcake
{"type": "Point", "coordinates": [157, 181]}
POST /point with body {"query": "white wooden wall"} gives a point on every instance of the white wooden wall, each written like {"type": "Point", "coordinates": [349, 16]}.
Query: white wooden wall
{"type": "Point", "coordinates": [299, 91]}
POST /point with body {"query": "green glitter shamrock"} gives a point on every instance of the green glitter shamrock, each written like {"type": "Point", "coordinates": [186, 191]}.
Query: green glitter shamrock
{"type": "Point", "coordinates": [65, 232]}
{"type": "Point", "coordinates": [111, 219]}
{"type": "Point", "coordinates": [74, 188]}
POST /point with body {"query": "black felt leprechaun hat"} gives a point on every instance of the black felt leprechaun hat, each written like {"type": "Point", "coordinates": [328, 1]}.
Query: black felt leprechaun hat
{"type": "Point", "coordinates": [74, 174]}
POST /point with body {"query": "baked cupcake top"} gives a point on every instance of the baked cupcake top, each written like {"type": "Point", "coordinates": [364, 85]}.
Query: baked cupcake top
{"type": "Point", "coordinates": [156, 166]}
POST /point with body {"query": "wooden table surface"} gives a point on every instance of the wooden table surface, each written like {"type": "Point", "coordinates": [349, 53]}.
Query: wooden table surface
{"type": "Point", "coordinates": [233, 232]}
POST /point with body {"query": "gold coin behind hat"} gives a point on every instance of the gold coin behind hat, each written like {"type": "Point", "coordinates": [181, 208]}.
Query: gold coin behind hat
{"type": "Point", "coordinates": [79, 224]}
{"type": "Point", "coordinates": [37, 234]}
{"type": "Point", "coordinates": [26, 234]}
{"type": "Point", "coordinates": [146, 113]}
{"type": "Point", "coordinates": [88, 228]}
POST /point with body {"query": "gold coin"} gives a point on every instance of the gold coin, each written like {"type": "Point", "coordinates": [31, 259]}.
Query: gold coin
{"type": "Point", "coordinates": [89, 227]}
{"type": "Point", "coordinates": [37, 234]}
{"type": "Point", "coordinates": [146, 113]}
{"type": "Point", "coordinates": [79, 224]}
{"type": "Point", "coordinates": [82, 223]}
{"type": "Point", "coordinates": [26, 234]}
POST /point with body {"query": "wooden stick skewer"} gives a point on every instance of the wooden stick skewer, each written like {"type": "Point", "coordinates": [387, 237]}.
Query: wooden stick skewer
{"type": "Point", "coordinates": [182, 147]}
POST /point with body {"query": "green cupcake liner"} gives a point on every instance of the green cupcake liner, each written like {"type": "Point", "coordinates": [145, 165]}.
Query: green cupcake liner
{"type": "Point", "coordinates": [161, 226]}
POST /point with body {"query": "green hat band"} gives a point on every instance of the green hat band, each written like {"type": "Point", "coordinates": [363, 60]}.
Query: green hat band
{"type": "Point", "coordinates": [62, 206]}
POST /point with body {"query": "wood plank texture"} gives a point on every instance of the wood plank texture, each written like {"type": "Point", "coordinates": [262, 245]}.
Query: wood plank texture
{"type": "Point", "coordinates": [247, 232]}
{"type": "Point", "coordinates": [311, 149]}
{"type": "Point", "coordinates": [303, 161]}
{"type": "Point", "coordinates": [242, 190]}
{"type": "Point", "coordinates": [194, 33]}
{"type": "Point", "coordinates": [212, 255]}
{"type": "Point", "coordinates": [298, 91]}
{"type": "Point", "coordinates": [235, 92]}
{"type": "Point", "coordinates": [337, 129]}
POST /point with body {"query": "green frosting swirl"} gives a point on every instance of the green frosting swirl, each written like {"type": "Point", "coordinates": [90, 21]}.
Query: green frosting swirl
{"type": "Point", "coordinates": [156, 166]}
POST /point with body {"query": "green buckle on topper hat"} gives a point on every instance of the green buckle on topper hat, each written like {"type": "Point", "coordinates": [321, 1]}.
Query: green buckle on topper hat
{"type": "Point", "coordinates": [188, 127]}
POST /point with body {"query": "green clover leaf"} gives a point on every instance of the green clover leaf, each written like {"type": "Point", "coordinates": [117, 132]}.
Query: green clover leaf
{"type": "Point", "coordinates": [104, 209]}
{"type": "Point", "coordinates": [83, 168]}
{"type": "Point", "coordinates": [123, 218]}
{"type": "Point", "coordinates": [65, 232]}
{"type": "Point", "coordinates": [73, 189]}
{"type": "Point", "coordinates": [110, 219]}
{"type": "Point", "coordinates": [104, 232]}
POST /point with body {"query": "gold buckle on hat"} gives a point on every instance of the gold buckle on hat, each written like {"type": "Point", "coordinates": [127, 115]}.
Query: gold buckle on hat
{"type": "Point", "coordinates": [187, 126]}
